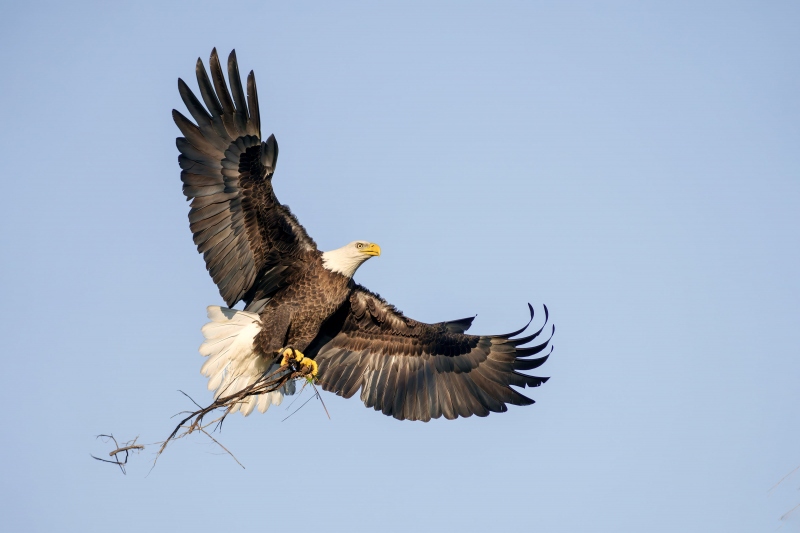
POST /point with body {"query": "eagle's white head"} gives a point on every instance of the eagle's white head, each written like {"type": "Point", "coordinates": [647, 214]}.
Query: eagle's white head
{"type": "Point", "coordinates": [348, 258]}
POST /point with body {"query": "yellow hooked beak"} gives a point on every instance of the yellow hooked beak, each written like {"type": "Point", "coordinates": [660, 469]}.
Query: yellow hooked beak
{"type": "Point", "coordinates": [371, 249]}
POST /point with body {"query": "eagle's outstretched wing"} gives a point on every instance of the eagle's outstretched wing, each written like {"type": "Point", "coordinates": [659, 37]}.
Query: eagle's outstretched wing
{"type": "Point", "coordinates": [416, 371]}
{"type": "Point", "coordinates": [250, 242]}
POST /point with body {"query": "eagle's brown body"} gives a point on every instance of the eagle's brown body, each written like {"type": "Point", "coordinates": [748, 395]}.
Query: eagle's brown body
{"type": "Point", "coordinates": [257, 252]}
{"type": "Point", "coordinates": [295, 314]}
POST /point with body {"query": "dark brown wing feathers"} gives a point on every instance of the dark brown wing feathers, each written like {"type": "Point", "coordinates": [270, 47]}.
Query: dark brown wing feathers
{"type": "Point", "coordinates": [238, 224]}
{"type": "Point", "coordinates": [416, 371]}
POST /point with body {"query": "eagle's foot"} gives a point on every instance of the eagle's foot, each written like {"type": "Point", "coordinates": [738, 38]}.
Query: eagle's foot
{"type": "Point", "coordinates": [297, 362]}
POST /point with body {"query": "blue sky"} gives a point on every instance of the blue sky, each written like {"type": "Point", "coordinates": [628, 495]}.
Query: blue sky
{"type": "Point", "coordinates": [633, 165]}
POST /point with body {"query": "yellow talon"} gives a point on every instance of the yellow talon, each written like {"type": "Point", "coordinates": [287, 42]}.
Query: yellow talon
{"type": "Point", "coordinates": [314, 368]}
{"type": "Point", "coordinates": [308, 366]}
{"type": "Point", "coordinates": [291, 355]}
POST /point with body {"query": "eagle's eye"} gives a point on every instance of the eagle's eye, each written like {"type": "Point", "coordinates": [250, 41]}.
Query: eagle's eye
{"type": "Point", "coordinates": [359, 245]}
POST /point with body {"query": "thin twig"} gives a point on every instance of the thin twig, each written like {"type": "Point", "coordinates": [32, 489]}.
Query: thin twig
{"type": "Point", "coordinates": [781, 481]}
{"type": "Point", "coordinates": [129, 446]}
{"type": "Point", "coordinates": [293, 412]}
{"type": "Point", "coordinates": [221, 446]}
{"type": "Point", "coordinates": [297, 397]}
{"type": "Point", "coordinates": [190, 398]}
{"type": "Point", "coordinates": [125, 449]}
{"type": "Point", "coordinates": [321, 401]}
{"type": "Point", "coordinates": [790, 512]}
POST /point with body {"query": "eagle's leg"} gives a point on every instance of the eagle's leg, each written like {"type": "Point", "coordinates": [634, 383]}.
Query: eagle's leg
{"type": "Point", "coordinates": [297, 362]}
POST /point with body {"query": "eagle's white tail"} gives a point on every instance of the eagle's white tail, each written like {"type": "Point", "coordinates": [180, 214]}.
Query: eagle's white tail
{"type": "Point", "coordinates": [232, 364]}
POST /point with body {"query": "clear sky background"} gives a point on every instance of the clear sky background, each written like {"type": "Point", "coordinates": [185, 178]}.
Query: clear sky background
{"type": "Point", "coordinates": [633, 165]}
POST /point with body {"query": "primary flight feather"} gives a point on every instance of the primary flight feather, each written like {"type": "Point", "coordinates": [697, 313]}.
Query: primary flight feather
{"type": "Point", "coordinates": [301, 300]}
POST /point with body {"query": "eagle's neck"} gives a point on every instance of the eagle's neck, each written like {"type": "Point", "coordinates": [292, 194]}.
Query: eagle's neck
{"type": "Point", "coordinates": [344, 261]}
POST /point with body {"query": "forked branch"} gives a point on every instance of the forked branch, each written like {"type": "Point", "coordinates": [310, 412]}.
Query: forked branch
{"type": "Point", "coordinates": [193, 421]}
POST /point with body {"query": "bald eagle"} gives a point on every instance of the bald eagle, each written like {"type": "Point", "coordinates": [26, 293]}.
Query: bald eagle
{"type": "Point", "coordinates": [302, 303]}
